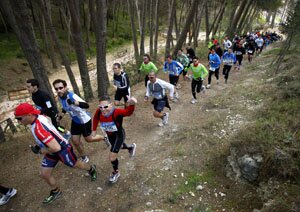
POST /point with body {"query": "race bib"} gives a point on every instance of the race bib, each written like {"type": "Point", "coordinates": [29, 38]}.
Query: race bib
{"type": "Point", "coordinates": [109, 126]}
{"type": "Point", "coordinates": [117, 83]}
{"type": "Point", "coordinates": [250, 51]}
{"type": "Point", "coordinates": [238, 53]}
{"type": "Point", "coordinates": [157, 95]}
{"type": "Point", "coordinates": [212, 69]}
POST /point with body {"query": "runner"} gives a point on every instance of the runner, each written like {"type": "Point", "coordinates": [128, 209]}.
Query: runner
{"type": "Point", "coordinates": [111, 119]}
{"type": "Point", "coordinates": [121, 84]}
{"type": "Point", "coordinates": [227, 44]}
{"type": "Point", "coordinates": [199, 72]}
{"type": "Point", "coordinates": [260, 44]}
{"type": "Point", "coordinates": [174, 68]}
{"type": "Point", "coordinates": [239, 52]}
{"type": "Point", "coordinates": [214, 66]}
{"type": "Point", "coordinates": [228, 60]}
{"type": "Point", "coordinates": [52, 145]}
{"type": "Point", "coordinates": [184, 60]}
{"type": "Point", "coordinates": [147, 66]}
{"type": "Point", "coordinates": [81, 120]}
{"type": "Point", "coordinates": [7, 194]}
{"type": "Point", "coordinates": [190, 52]}
{"type": "Point", "coordinates": [250, 49]}
{"type": "Point", "coordinates": [44, 103]}
{"type": "Point", "coordinates": [219, 50]}
{"type": "Point", "coordinates": [157, 88]}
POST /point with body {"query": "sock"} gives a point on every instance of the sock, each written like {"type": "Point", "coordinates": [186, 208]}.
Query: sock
{"type": "Point", "coordinates": [115, 164]}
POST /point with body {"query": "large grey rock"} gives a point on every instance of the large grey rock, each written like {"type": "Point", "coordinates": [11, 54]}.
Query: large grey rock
{"type": "Point", "coordinates": [249, 168]}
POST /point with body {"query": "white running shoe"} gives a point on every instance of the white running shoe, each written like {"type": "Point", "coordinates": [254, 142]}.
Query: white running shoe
{"type": "Point", "coordinates": [84, 158]}
{"type": "Point", "coordinates": [193, 101]}
{"type": "Point", "coordinates": [208, 86]}
{"type": "Point", "coordinates": [203, 89]}
{"type": "Point", "coordinates": [160, 124]}
{"type": "Point", "coordinates": [165, 118]}
{"type": "Point", "coordinates": [176, 95]}
{"type": "Point", "coordinates": [6, 197]}
{"type": "Point", "coordinates": [114, 176]}
{"type": "Point", "coordinates": [132, 150]}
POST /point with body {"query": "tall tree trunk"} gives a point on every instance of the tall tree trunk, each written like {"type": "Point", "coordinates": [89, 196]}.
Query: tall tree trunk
{"type": "Point", "coordinates": [87, 26]}
{"type": "Point", "coordinates": [151, 26]}
{"type": "Point", "coordinates": [138, 12]}
{"type": "Point", "coordinates": [79, 48]}
{"type": "Point", "coordinates": [156, 28]}
{"type": "Point", "coordinates": [230, 30]}
{"type": "Point", "coordinates": [92, 13]}
{"type": "Point", "coordinates": [234, 8]}
{"type": "Point", "coordinates": [102, 77]}
{"type": "Point", "coordinates": [273, 19]}
{"type": "Point", "coordinates": [244, 15]}
{"type": "Point", "coordinates": [142, 29]}
{"type": "Point", "coordinates": [18, 16]}
{"type": "Point", "coordinates": [65, 60]}
{"type": "Point", "coordinates": [206, 23]}
{"type": "Point", "coordinates": [198, 24]}
{"type": "Point", "coordinates": [67, 19]}
{"type": "Point", "coordinates": [217, 25]}
{"type": "Point", "coordinates": [3, 22]}
{"type": "Point", "coordinates": [133, 29]}
{"type": "Point", "coordinates": [187, 25]}
{"type": "Point", "coordinates": [170, 26]}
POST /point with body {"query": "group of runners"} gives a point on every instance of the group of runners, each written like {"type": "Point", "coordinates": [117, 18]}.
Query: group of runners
{"type": "Point", "coordinates": [53, 141]}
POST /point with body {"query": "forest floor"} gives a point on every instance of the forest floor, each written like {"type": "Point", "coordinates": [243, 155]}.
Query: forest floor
{"type": "Point", "coordinates": [172, 169]}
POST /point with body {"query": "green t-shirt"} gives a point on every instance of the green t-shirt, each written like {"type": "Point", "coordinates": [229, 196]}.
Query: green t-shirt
{"type": "Point", "coordinates": [198, 71]}
{"type": "Point", "coordinates": [147, 68]}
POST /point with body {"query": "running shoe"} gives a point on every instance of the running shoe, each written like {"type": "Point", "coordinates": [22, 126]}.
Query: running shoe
{"type": "Point", "coordinates": [203, 89]}
{"type": "Point", "coordinates": [208, 86]}
{"type": "Point", "coordinates": [93, 172]}
{"type": "Point", "coordinates": [5, 198]}
{"type": "Point", "coordinates": [67, 135]}
{"type": "Point", "coordinates": [53, 196]}
{"type": "Point", "coordinates": [132, 150]}
{"type": "Point", "coordinates": [106, 141]}
{"type": "Point", "coordinates": [176, 95]}
{"type": "Point", "coordinates": [193, 101]}
{"type": "Point", "coordinates": [114, 176]}
{"type": "Point", "coordinates": [165, 118]}
{"type": "Point", "coordinates": [84, 158]}
{"type": "Point", "coordinates": [160, 124]}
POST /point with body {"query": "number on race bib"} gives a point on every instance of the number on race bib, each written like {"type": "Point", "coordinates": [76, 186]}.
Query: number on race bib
{"type": "Point", "coordinates": [250, 51]}
{"type": "Point", "coordinates": [109, 126]}
{"type": "Point", "coordinates": [212, 69]}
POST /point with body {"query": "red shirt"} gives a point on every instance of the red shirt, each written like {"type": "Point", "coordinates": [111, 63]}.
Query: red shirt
{"type": "Point", "coordinates": [112, 123]}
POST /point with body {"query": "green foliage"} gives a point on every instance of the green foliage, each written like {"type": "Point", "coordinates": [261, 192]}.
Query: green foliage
{"type": "Point", "coordinates": [10, 47]}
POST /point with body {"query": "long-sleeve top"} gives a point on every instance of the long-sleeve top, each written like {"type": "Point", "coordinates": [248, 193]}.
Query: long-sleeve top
{"type": "Point", "coordinates": [214, 61]}
{"type": "Point", "coordinates": [183, 59]}
{"type": "Point", "coordinates": [44, 103]}
{"type": "Point", "coordinates": [198, 72]}
{"type": "Point", "coordinates": [78, 113]}
{"type": "Point", "coordinates": [122, 81]}
{"type": "Point", "coordinates": [174, 68]}
{"type": "Point", "coordinates": [146, 68]}
{"type": "Point", "coordinates": [229, 59]}
{"type": "Point", "coordinates": [111, 122]}
{"type": "Point", "coordinates": [227, 44]}
{"type": "Point", "coordinates": [158, 89]}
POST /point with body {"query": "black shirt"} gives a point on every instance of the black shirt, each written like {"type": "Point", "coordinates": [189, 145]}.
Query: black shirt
{"type": "Point", "coordinates": [44, 103]}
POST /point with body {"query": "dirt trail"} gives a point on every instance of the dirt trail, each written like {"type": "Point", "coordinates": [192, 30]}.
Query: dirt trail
{"type": "Point", "coordinates": [164, 157]}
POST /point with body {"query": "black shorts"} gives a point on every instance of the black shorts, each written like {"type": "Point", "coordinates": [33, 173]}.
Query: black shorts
{"type": "Point", "coordinates": [81, 129]}
{"type": "Point", "coordinates": [122, 94]}
{"type": "Point", "coordinates": [116, 140]}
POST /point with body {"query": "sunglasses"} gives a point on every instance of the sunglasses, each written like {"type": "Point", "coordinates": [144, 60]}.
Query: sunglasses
{"type": "Point", "coordinates": [102, 107]}
{"type": "Point", "coordinates": [146, 58]}
{"type": "Point", "coordinates": [59, 88]}
{"type": "Point", "coordinates": [19, 118]}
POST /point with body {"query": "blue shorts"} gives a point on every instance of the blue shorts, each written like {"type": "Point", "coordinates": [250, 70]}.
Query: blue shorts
{"type": "Point", "coordinates": [159, 105]}
{"type": "Point", "coordinates": [66, 156]}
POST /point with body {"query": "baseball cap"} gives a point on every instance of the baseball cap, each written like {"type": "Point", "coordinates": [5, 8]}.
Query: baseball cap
{"type": "Point", "coordinates": [25, 109]}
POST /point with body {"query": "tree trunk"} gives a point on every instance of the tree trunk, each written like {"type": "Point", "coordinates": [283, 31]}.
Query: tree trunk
{"type": "Point", "coordinates": [64, 11]}
{"type": "Point", "coordinates": [244, 15]}
{"type": "Point", "coordinates": [18, 16]}
{"type": "Point", "coordinates": [198, 24]}
{"type": "Point", "coordinates": [79, 48]}
{"type": "Point", "coordinates": [233, 12]}
{"type": "Point", "coordinates": [138, 12]}
{"type": "Point", "coordinates": [230, 30]}
{"type": "Point", "coordinates": [187, 25]}
{"type": "Point", "coordinates": [216, 27]}
{"type": "Point", "coordinates": [206, 23]}
{"type": "Point", "coordinates": [102, 77]}
{"type": "Point", "coordinates": [87, 27]}
{"type": "Point", "coordinates": [55, 39]}
{"type": "Point", "coordinates": [133, 29]}
{"type": "Point", "coordinates": [156, 29]}
{"type": "Point", "coordinates": [170, 27]}
{"type": "Point", "coordinates": [142, 29]}
{"type": "Point", "coordinates": [273, 19]}
{"type": "Point", "coordinates": [93, 16]}
{"type": "Point", "coordinates": [151, 26]}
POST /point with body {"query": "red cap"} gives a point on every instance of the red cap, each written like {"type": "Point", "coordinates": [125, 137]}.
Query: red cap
{"type": "Point", "coordinates": [25, 109]}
